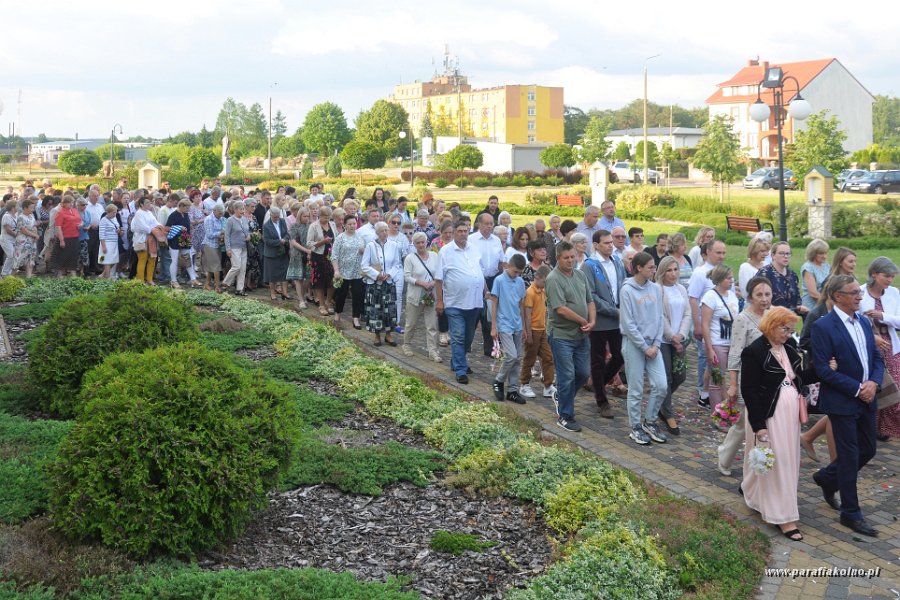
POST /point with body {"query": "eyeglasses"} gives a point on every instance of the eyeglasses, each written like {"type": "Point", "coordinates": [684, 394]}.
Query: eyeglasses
{"type": "Point", "coordinates": [395, 222]}
{"type": "Point", "coordinates": [619, 237]}
{"type": "Point", "coordinates": [786, 329]}
{"type": "Point", "coordinates": [408, 233]}
{"type": "Point", "coordinates": [783, 253]}
{"type": "Point", "coordinates": [858, 293]}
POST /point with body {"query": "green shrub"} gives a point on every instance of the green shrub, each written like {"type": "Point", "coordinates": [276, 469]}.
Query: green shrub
{"type": "Point", "coordinates": [537, 181]}
{"type": "Point", "coordinates": [458, 543]}
{"type": "Point", "coordinates": [315, 409]}
{"type": "Point", "coordinates": [643, 197]}
{"type": "Point", "coordinates": [519, 181]}
{"type": "Point", "coordinates": [595, 575]}
{"type": "Point", "coordinates": [553, 180]}
{"type": "Point", "coordinates": [481, 182]}
{"type": "Point", "coordinates": [363, 470]}
{"type": "Point", "coordinates": [8, 592]}
{"type": "Point", "coordinates": [500, 181]}
{"type": "Point", "coordinates": [583, 498]}
{"type": "Point", "coordinates": [887, 203]}
{"type": "Point", "coordinates": [333, 167]}
{"type": "Point", "coordinates": [236, 340]}
{"type": "Point", "coordinates": [441, 182]}
{"type": "Point", "coordinates": [173, 450]}
{"type": "Point", "coordinates": [132, 317]}
{"type": "Point", "coordinates": [461, 182]}
{"type": "Point", "coordinates": [38, 310]}
{"type": "Point", "coordinates": [39, 289]}
{"type": "Point", "coordinates": [26, 447]}
{"type": "Point", "coordinates": [191, 583]}
{"type": "Point", "coordinates": [470, 427]}
{"type": "Point", "coordinates": [9, 287]}
{"type": "Point", "coordinates": [536, 474]}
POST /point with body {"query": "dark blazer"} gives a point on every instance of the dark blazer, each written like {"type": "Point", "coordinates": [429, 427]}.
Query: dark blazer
{"type": "Point", "coordinates": [601, 290]}
{"type": "Point", "coordinates": [762, 375]}
{"type": "Point", "coordinates": [272, 238]}
{"type": "Point", "coordinates": [830, 338]}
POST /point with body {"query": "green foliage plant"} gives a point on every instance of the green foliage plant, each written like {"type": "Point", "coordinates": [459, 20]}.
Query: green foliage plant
{"type": "Point", "coordinates": [360, 154]}
{"type": "Point", "coordinates": [203, 161]}
{"type": "Point", "coordinates": [594, 145]}
{"type": "Point", "coordinates": [457, 543]}
{"type": "Point", "coordinates": [557, 156]}
{"type": "Point", "coordinates": [333, 166]}
{"type": "Point", "coordinates": [461, 182]}
{"type": "Point", "coordinates": [820, 142]}
{"type": "Point", "coordinates": [10, 287]}
{"type": "Point", "coordinates": [719, 152]}
{"type": "Point", "coordinates": [583, 498]}
{"type": "Point", "coordinates": [440, 182]}
{"type": "Point", "coordinates": [174, 450]}
{"type": "Point", "coordinates": [464, 156]}
{"type": "Point", "coordinates": [481, 182]}
{"type": "Point", "coordinates": [469, 428]}
{"type": "Point", "coordinates": [325, 129]}
{"type": "Point", "coordinates": [131, 317]}
{"type": "Point", "coordinates": [80, 162]}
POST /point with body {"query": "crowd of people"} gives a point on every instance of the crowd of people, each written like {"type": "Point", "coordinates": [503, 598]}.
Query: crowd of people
{"type": "Point", "coordinates": [574, 304]}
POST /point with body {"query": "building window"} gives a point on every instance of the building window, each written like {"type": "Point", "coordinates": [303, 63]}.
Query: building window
{"type": "Point", "coordinates": [531, 139]}
{"type": "Point", "coordinates": [735, 113]}
{"type": "Point", "coordinates": [532, 111]}
{"type": "Point", "coordinates": [531, 126]}
{"type": "Point", "coordinates": [531, 96]}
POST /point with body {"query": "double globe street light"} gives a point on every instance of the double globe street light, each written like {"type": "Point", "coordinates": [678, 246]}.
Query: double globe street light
{"type": "Point", "coordinates": [799, 108]}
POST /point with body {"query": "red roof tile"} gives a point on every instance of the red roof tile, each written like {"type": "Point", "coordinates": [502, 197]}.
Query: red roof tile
{"type": "Point", "coordinates": [804, 71]}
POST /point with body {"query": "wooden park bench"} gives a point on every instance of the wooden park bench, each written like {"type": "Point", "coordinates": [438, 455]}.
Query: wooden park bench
{"type": "Point", "coordinates": [751, 224]}
{"type": "Point", "coordinates": [570, 201]}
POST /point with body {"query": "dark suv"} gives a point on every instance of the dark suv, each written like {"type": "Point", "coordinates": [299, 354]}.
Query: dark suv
{"type": "Point", "coordinates": [876, 182]}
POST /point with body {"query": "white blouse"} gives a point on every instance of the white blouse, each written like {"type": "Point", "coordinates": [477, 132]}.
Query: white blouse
{"type": "Point", "coordinates": [378, 258]}
{"type": "Point", "coordinates": [890, 302]}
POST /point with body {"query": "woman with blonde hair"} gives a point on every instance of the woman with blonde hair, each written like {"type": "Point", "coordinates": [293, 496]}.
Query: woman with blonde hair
{"type": "Point", "coordinates": [757, 251]}
{"type": "Point", "coordinates": [771, 377]}
{"type": "Point", "coordinates": [704, 236]}
{"type": "Point", "coordinates": [676, 334]}
{"type": "Point", "coordinates": [814, 272]}
{"type": "Point", "coordinates": [677, 249]}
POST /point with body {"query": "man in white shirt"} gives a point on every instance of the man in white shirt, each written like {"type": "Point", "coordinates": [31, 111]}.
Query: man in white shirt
{"type": "Point", "coordinates": [460, 292]}
{"type": "Point", "coordinates": [96, 209]}
{"type": "Point", "coordinates": [214, 199]}
{"type": "Point", "coordinates": [700, 284]}
{"type": "Point", "coordinates": [367, 231]}
{"type": "Point", "coordinates": [492, 263]}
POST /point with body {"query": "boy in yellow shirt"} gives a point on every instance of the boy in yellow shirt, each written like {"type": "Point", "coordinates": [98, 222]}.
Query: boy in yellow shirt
{"type": "Point", "coordinates": [535, 337]}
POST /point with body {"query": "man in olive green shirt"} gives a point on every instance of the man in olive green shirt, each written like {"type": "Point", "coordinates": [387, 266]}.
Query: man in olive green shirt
{"type": "Point", "coordinates": [570, 317]}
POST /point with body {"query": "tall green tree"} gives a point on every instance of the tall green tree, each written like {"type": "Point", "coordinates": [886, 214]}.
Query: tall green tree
{"type": "Point", "coordinates": [464, 156]}
{"type": "Point", "coordinates": [622, 151]}
{"type": "Point", "coordinates": [289, 146]}
{"type": "Point", "coordinates": [886, 121]}
{"type": "Point", "coordinates": [381, 125]}
{"type": "Point", "coordinates": [443, 124]}
{"type": "Point", "coordinates": [205, 137]}
{"type": "Point", "coordinates": [325, 129]}
{"type": "Point", "coordinates": [279, 125]}
{"type": "Point", "coordinates": [719, 153]}
{"type": "Point", "coordinates": [819, 143]}
{"type": "Point", "coordinates": [594, 145]}
{"type": "Point", "coordinates": [557, 156]}
{"type": "Point", "coordinates": [80, 162]}
{"type": "Point", "coordinates": [256, 127]}
{"type": "Point", "coordinates": [652, 154]}
{"type": "Point", "coordinates": [574, 123]}
{"type": "Point", "coordinates": [360, 154]}
{"type": "Point", "coordinates": [118, 152]}
{"type": "Point", "coordinates": [203, 161]}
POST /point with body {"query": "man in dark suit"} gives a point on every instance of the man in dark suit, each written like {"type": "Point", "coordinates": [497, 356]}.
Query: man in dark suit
{"type": "Point", "coordinates": [847, 395]}
{"type": "Point", "coordinates": [605, 276]}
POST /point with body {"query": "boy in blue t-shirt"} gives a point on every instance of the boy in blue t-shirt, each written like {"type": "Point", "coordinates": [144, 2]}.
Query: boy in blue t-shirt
{"type": "Point", "coordinates": [507, 316]}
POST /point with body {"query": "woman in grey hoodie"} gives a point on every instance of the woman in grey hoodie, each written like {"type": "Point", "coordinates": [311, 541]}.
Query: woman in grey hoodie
{"type": "Point", "coordinates": [641, 320]}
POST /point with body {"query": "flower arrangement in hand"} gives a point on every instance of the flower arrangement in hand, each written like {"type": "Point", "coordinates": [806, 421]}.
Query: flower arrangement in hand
{"type": "Point", "coordinates": [761, 459]}
{"type": "Point", "coordinates": [255, 238]}
{"type": "Point", "coordinates": [725, 414]}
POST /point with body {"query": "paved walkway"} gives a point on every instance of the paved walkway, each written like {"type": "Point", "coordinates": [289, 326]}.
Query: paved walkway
{"type": "Point", "coordinates": [686, 465]}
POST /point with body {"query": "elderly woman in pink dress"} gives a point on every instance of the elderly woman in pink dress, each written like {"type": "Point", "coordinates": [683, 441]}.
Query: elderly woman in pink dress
{"type": "Point", "coordinates": [770, 379]}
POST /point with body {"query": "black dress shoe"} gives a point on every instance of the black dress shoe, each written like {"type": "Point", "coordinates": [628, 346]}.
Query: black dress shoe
{"type": "Point", "coordinates": [861, 526]}
{"type": "Point", "coordinates": [829, 496]}
{"type": "Point", "coordinates": [469, 371]}
{"type": "Point", "coordinates": [462, 379]}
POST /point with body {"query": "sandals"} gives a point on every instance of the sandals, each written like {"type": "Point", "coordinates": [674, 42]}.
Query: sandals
{"type": "Point", "coordinates": [809, 449]}
{"type": "Point", "coordinates": [794, 534]}
{"type": "Point", "coordinates": [323, 311]}
{"type": "Point", "coordinates": [390, 342]}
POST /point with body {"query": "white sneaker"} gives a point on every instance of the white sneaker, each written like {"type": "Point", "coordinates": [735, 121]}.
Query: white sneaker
{"type": "Point", "coordinates": [444, 339]}
{"type": "Point", "coordinates": [526, 392]}
{"type": "Point", "coordinates": [549, 391]}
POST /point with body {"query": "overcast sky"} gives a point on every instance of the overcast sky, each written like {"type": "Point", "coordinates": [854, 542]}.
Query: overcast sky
{"type": "Point", "coordinates": [165, 66]}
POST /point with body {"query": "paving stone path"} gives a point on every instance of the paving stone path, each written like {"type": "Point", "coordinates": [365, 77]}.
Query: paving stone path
{"type": "Point", "coordinates": [686, 465]}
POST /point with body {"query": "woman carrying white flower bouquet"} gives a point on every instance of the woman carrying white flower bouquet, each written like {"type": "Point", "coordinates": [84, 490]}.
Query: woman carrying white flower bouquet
{"type": "Point", "coordinates": [770, 379]}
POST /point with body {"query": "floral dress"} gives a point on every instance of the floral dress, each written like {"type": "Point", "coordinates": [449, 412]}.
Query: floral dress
{"type": "Point", "coordinates": [297, 266]}
{"type": "Point", "coordinates": [26, 246]}
{"type": "Point", "coordinates": [254, 266]}
{"type": "Point", "coordinates": [346, 254]}
{"type": "Point", "coordinates": [197, 230]}
{"type": "Point", "coordinates": [888, 419]}
{"type": "Point", "coordinates": [785, 288]}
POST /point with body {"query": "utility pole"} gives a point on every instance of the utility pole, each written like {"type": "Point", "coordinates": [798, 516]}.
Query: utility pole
{"type": "Point", "coordinates": [270, 126]}
{"type": "Point", "coordinates": [646, 153]}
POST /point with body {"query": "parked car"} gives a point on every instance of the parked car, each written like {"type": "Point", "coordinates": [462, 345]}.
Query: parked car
{"type": "Point", "coordinates": [849, 174]}
{"type": "Point", "coordinates": [875, 182]}
{"type": "Point", "coordinates": [767, 177]}
{"type": "Point", "coordinates": [625, 171]}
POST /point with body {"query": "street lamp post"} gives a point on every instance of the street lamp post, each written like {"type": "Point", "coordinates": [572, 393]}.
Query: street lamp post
{"type": "Point", "coordinates": [646, 153]}
{"type": "Point", "coordinates": [270, 125]}
{"type": "Point", "coordinates": [412, 173]}
{"type": "Point", "coordinates": [774, 79]}
{"type": "Point", "coordinates": [112, 160]}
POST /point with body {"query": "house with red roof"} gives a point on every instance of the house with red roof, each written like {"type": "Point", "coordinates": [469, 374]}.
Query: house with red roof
{"type": "Point", "coordinates": [824, 83]}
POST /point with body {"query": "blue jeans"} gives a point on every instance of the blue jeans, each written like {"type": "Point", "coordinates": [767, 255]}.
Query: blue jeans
{"type": "Point", "coordinates": [573, 367]}
{"type": "Point", "coordinates": [636, 365]}
{"type": "Point", "coordinates": [165, 261]}
{"type": "Point", "coordinates": [462, 331]}
{"type": "Point", "coordinates": [701, 363]}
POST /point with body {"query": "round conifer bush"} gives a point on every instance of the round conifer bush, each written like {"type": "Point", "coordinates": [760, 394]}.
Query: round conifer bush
{"type": "Point", "coordinates": [86, 329]}
{"type": "Point", "coordinates": [174, 449]}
